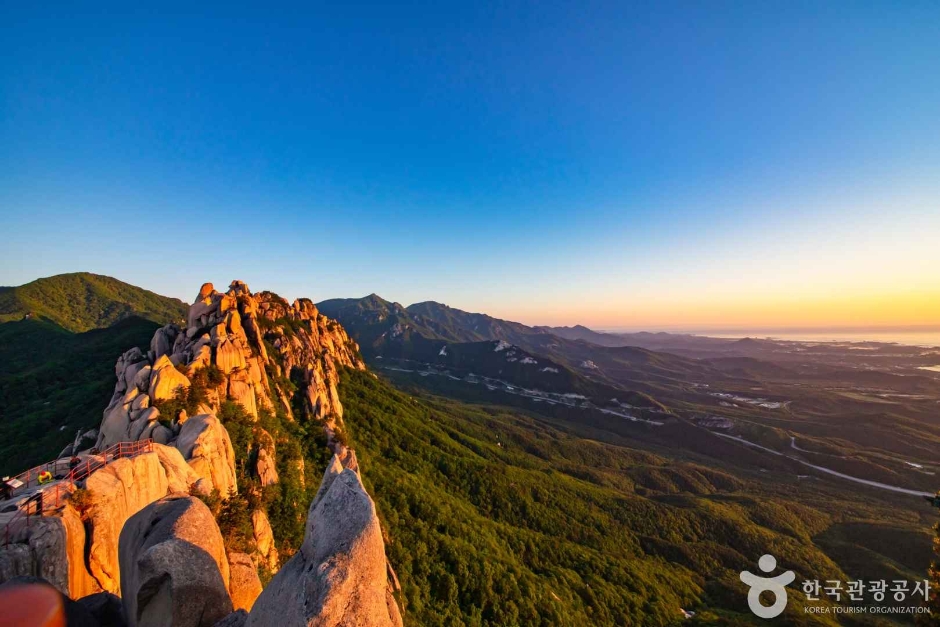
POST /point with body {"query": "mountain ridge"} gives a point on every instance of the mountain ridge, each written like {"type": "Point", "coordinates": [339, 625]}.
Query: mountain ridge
{"type": "Point", "coordinates": [82, 301]}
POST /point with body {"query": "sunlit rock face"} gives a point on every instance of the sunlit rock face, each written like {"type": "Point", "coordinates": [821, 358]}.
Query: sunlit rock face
{"type": "Point", "coordinates": [251, 343]}
{"type": "Point", "coordinates": [206, 445]}
{"type": "Point", "coordinates": [340, 575]}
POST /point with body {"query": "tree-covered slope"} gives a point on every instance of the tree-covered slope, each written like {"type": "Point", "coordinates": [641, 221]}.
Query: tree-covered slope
{"type": "Point", "coordinates": [464, 326]}
{"type": "Point", "coordinates": [53, 382]}
{"type": "Point", "coordinates": [497, 517]}
{"type": "Point", "coordinates": [82, 301]}
{"type": "Point", "coordinates": [418, 333]}
{"type": "Point", "coordinates": [59, 339]}
{"type": "Point", "coordinates": [380, 327]}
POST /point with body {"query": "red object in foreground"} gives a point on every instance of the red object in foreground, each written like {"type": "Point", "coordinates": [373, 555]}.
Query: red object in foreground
{"type": "Point", "coordinates": [32, 605]}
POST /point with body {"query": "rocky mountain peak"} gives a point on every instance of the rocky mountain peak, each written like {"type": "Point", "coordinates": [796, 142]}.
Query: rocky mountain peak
{"type": "Point", "coordinates": [280, 362]}
{"type": "Point", "coordinates": [236, 345]}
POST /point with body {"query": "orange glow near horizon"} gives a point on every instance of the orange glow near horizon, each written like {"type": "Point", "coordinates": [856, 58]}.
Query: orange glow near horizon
{"type": "Point", "coordinates": [886, 309]}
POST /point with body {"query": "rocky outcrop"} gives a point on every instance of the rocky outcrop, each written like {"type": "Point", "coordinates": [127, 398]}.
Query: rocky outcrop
{"type": "Point", "coordinates": [174, 568]}
{"type": "Point", "coordinates": [165, 379]}
{"type": "Point", "coordinates": [232, 333]}
{"type": "Point", "coordinates": [51, 547]}
{"type": "Point", "coordinates": [180, 476]}
{"type": "Point", "coordinates": [80, 557]}
{"type": "Point", "coordinates": [118, 491]}
{"type": "Point", "coordinates": [265, 465]}
{"type": "Point", "coordinates": [206, 444]}
{"type": "Point", "coordinates": [164, 553]}
{"type": "Point", "coordinates": [339, 576]}
{"type": "Point", "coordinates": [43, 554]}
{"type": "Point", "coordinates": [265, 550]}
{"type": "Point", "coordinates": [131, 415]}
{"type": "Point", "coordinates": [243, 582]}
{"type": "Point", "coordinates": [163, 339]}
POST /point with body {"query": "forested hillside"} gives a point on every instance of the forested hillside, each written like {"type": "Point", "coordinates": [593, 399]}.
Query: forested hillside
{"type": "Point", "coordinates": [59, 337]}
{"type": "Point", "coordinates": [53, 382]}
{"type": "Point", "coordinates": [495, 516]}
{"type": "Point", "coordinates": [82, 301]}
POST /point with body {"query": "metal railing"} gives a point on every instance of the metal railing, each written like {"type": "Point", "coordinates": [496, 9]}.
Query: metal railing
{"type": "Point", "coordinates": [53, 499]}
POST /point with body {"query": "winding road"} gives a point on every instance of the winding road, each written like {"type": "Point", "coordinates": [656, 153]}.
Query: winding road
{"type": "Point", "coordinates": [828, 471]}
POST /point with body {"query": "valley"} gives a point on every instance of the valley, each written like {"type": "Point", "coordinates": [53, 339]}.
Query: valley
{"type": "Point", "coordinates": [858, 424]}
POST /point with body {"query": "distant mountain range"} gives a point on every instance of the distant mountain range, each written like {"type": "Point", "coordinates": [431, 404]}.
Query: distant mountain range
{"type": "Point", "coordinates": [441, 336]}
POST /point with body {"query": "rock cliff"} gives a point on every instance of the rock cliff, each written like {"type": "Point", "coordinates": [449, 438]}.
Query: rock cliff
{"type": "Point", "coordinates": [78, 552]}
{"type": "Point", "coordinates": [205, 443]}
{"type": "Point", "coordinates": [140, 534]}
{"type": "Point", "coordinates": [339, 577]}
{"type": "Point", "coordinates": [233, 334]}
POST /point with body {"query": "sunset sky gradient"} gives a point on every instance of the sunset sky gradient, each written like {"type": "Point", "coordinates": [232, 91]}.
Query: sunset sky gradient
{"type": "Point", "coordinates": [661, 166]}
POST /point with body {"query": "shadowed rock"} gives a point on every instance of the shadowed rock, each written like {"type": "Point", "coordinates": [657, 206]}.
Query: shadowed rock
{"type": "Point", "coordinates": [106, 608]}
{"type": "Point", "coordinates": [173, 566]}
{"type": "Point", "coordinates": [235, 619]}
{"type": "Point", "coordinates": [264, 539]}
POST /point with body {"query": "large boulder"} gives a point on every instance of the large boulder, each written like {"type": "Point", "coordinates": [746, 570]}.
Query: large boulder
{"type": "Point", "coordinates": [174, 567]}
{"type": "Point", "coordinates": [180, 476]}
{"type": "Point", "coordinates": [206, 445]}
{"type": "Point", "coordinates": [265, 465]}
{"type": "Point", "coordinates": [106, 608]}
{"type": "Point", "coordinates": [116, 423]}
{"type": "Point", "coordinates": [127, 367]}
{"type": "Point", "coordinates": [244, 584]}
{"type": "Point", "coordinates": [206, 303]}
{"type": "Point", "coordinates": [118, 491]}
{"type": "Point", "coordinates": [163, 339]}
{"type": "Point", "coordinates": [339, 576]}
{"type": "Point", "coordinates": [143, 423]}
{"type": "Point", "coordinates": [165, 380]}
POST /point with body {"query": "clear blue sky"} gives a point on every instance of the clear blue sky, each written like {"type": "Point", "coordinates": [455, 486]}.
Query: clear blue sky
{"type": "Point", "coordinates": [608, 163]}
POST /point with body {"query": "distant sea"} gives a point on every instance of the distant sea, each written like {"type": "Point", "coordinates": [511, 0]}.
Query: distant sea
{"type": "Point", "coordinates": [929, 338]}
